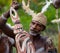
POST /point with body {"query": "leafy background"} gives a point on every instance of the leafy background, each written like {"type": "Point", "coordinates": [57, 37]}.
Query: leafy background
{"type": "Point", "coordinates": [36, 5]}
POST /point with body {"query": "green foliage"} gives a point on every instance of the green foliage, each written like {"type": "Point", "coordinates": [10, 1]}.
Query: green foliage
{"type": "Point", "coordinates": [50, 13]}
{"type": "Point", "coordinates": [14, 50]}
{"type": "Point", "coordinates": [5, 2]}
{"type": "Point", "coordinates": [19, 0]}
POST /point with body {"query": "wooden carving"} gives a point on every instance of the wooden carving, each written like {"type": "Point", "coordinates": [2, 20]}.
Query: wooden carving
{"type": "Point", "coordinates": [23, 42]}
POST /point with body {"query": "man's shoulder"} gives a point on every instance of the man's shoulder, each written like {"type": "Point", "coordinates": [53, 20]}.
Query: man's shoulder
{"type": "Point", "coordinates": [46, 39]}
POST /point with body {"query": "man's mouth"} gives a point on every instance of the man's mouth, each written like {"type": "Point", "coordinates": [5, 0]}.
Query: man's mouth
{"type": "Point", "coordinates": [33, 31]}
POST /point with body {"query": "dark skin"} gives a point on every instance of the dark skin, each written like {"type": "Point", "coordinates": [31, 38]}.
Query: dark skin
{"type": "Point", "coordinates": [34, 26]}
{"type": "Point", "coordinates": [3, 26]}
{"type": "Point", "coordinates": [39, 41]}
{"type": "Point", "coordinates": [5, 43]}
{"type": "Point", "coordinates": [0, 31]}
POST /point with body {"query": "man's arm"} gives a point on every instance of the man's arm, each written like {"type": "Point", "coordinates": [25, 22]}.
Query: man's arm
{"type": "Point", "coordinates": [3, 19]}
{"type": "Point", "coordinates": [15, 5]}
{"type": "Point", "coordinates": [6, 15]}
{"type": "Point", "coordinates": [8, 31]}
{"type": "Point", "coordinates": [50, 46]}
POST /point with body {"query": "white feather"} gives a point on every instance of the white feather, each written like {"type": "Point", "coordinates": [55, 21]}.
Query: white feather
{"type": "Point", "coordinates": [46, 6]}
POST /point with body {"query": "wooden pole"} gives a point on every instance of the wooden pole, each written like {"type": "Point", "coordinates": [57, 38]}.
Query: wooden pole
{"type": "Point", "coordinates": [59, 42]}
{"type": "Point", "coordinates": [58, 32]}
{"type": "Point", "coordinates": [57, 20]}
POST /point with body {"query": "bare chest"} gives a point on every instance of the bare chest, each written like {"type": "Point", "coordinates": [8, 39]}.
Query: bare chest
{"type": "Point", "coordinates": [39, 46]}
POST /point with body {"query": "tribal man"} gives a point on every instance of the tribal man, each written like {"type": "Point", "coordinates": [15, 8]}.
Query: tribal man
{"type": "Point", "coordinates": [38, 24]}
{"type": "Point", "coordinates": [6, 43]}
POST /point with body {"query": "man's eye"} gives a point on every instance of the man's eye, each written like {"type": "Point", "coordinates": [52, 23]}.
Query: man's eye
{"type": "Point", "coordinates": [38, 25]}
{"type": "Point", "coordinates": [33, 23]}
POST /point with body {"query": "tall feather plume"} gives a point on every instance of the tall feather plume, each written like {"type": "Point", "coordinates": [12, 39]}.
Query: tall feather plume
{"type": "Point", "coordinates": [46, 6]}
{"type": "Point", "coordinates": [27, 9]}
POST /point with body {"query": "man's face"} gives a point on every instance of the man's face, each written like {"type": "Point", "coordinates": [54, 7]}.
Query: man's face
{"type": "Point", "coordinates": [35, 28]}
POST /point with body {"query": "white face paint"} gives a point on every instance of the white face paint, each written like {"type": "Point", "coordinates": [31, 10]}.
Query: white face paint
{"type": "Point", "coordinates": [32, 33]}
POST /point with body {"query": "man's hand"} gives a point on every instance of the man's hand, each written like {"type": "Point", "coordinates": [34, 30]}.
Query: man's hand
{"type": "Point", "coordinates": [15, 5]}
{"type": "Point", "coordinates": [4, 18]}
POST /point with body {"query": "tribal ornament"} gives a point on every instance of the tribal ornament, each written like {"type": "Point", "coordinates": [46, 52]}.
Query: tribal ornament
{"type": "Point", "coordinates": [40, 17]}
{"type": "Point", "coordinates": [23, 42]}
{"type": "Point", "coordinates": [27, 9]}
{"type": "Point", "coordinates": [31, 12]}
